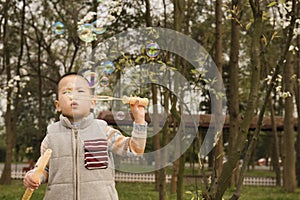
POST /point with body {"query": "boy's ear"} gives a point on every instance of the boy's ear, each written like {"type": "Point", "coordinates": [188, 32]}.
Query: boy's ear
{"type": "Point", "coordinates": [56, 102]}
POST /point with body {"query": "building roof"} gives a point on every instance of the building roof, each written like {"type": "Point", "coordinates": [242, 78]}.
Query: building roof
{"type": "Point", "coordinates": [204, 120]}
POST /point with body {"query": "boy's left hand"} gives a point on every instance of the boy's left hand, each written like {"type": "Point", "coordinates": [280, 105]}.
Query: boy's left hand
{"type": "Point", "coordinates": [138, 113]}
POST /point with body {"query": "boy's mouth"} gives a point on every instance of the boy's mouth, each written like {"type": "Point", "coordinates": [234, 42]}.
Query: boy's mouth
{"type": "Point", "coordinates": [74, 104]}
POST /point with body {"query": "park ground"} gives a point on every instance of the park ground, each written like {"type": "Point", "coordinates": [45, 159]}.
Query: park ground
{"type": "Point", "coordinates": [145, 191]}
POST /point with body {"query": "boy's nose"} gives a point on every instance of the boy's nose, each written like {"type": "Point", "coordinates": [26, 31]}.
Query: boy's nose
{"type": "Point", "coordinates": [70, 96]}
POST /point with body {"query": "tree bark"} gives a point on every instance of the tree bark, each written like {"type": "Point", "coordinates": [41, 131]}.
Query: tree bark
{"type": "Point", "coordinates": [163, 157]}
{"type": "Point", "coordinates": [156, 137]}
{"type": "Point", "coordinates": [17, 95]}
{"type": "Point", "coordinates": [6, 174]}
{"type": "Point", "coordinates": [179, 9]}
{"type": "Point", "coordinates": [218, 59]}
{"type": "Point", "coordinates": [298, 105]}
{"type": "Point", "coordinates": [289, 181]}
{"type": "Point", "coordinates": [217, 101]}
{"type": "Point", "coordinates": [275, 145]}
{"type": "Point", "coordinates": [256, 65]}
{"type": "Point", "coordinates": [233, 101]}
{"type": "Point", "coordinates": [148, 14]}
{"type": "Point", "coordinates": [251, 104]}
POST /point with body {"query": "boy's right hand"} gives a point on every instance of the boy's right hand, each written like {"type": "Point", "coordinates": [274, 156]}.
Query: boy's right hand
{"type": "Point", "coordinates": [29, 182]}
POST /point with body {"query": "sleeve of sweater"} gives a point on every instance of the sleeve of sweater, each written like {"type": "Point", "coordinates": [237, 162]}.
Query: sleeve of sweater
{"type": "Point", "coordinates": [127, 146]}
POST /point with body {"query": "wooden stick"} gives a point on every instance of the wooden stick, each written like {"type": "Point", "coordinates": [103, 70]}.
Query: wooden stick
{"type": "Point", "coordinates": [38, 171]}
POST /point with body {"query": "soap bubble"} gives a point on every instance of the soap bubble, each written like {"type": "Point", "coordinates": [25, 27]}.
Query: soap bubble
{"type": "Point", "coordinates": [86, 33]}
{"type": "Point", "coordinates": [104, 81]}
{"type": "Point", "coordinates": [152, 50]}
{"type": "Point", "coordinates": [120, 115]}
{"type": "Point", "coordinates": [97, 28]}
{"type": "Point", "coordinates": [109, 67]}
{"type": "Point", "coordinates": [92, 78]}
{"type": "Point", "coordinates": [58, 28]}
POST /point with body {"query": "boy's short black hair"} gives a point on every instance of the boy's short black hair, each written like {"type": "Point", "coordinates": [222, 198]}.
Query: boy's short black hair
{"type": "Point", "coordinates": [68, 74]}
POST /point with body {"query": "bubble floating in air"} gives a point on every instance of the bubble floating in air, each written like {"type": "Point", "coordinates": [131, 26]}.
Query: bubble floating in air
{"type": "Point", "coordinates": [109, 67]}
{"type": "Point", "coordinates": [104, 81]}
{"type": "Point", "coordinates": [120, 115]}
{"type": "Point", "coordinates": [58, 28]}
{"type": "Point", "coordinates": [152, 50]}
{"type": "Point", "coordinates": [86, 33]}
{"type": "Point", "coordinates": [92, 78]}
{"type": "Point", "coordinates": [97, 28]}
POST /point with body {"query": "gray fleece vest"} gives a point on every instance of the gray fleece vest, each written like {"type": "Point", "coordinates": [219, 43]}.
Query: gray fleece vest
{"type": "Point", "coordinates": [68, 177]}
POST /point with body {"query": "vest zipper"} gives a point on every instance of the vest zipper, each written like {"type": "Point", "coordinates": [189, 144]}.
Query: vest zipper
{"type": "Point", "coordinates": [76, 164]}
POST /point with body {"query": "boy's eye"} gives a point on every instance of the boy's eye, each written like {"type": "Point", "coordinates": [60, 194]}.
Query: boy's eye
{"type": "Point", "coordinates": [67, 92]}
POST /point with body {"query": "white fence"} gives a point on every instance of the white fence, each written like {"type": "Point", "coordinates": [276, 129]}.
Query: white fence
{"type": "Point", "coordinates": [142, 178]}
{"type": "Point", "coordinates": [16, 174]}
{"type": "Point", "coordinates": [259, 181]}
{"type": "Point", "coordinates": [150, 178]}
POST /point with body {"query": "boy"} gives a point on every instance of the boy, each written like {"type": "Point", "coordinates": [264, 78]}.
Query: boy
{"type": "Point", "coordinates": [80, 166]}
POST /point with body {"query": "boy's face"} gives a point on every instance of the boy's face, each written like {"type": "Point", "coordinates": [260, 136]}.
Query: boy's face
{"type": "Point", "coordinates": [69, 87]}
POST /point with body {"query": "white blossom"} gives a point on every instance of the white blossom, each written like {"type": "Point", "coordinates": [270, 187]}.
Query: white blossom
{"type": "Point", "coordinates": [288, 6]}
{"type": "Point", "coordinates": [278, 88]}
{"type": "Point", "coordinates": [22, 84]}
{"type": "Point", "coordinates": [268, 79]}
{"type": "Point", "coordinates": [15, 89]}
{"type": "Point", "coordinates": [11, 83]}
{"type": "Point", "coordinates": [285, 94]}
{"type": "Point", "coordinates": [297, 31]}
{"type": "Point", "coordinates": [17, 78]}
{"type": "Point", "coordinates": [23, 71]}
{"type": "Point", "coordinates": [26, 78]}
{"type": "Point", "coordinates": [279, 78]}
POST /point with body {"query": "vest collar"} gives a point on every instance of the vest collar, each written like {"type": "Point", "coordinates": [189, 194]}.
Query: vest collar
{"type": "Point", "coordinates": [86, 121]}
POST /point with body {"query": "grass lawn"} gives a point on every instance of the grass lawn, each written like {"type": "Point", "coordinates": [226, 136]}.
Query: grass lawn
{"type": "Point", "coordinates": [145, 191]}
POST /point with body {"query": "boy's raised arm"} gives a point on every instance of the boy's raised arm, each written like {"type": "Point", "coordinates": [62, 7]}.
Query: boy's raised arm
{"type": "Point", "coordinates": [134, 145]}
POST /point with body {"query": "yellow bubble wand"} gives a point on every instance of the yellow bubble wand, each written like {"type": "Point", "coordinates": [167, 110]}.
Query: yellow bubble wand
{"type": "Point", "coordinates": [124, 99]}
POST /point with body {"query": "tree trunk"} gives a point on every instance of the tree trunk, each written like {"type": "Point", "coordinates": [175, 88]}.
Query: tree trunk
{"type": "Point", "coordinates": [17, 95]}
{"type": "Point", "coordinates": [40, 102]}
{"type": "Point", "coordinates": [274, 141]}
{"type": "Point", "coordinates": [174, 176]}
{"type": "Point", "coordinates": [217, 102]}
{"type": "Point", "coordinates": [148, 14]}
{"type": "Point", "coordinates": [159, 174]}
{"type": "Point", "coordinates": [289, 181]}
{"type": "Point", "coordinates": [298, 107]}
{"type": "Point", "coordinates": [251, 104]}
{"type": "Point", "coordinates": [233, 101]}
{"type": "Point", "coordinates": [256, 63]}
{"type": "Point", "coordinates": [165, 133]}
{"type": "Point", "coordinates": [274, 135]}
{"type": "Point", "coordinates": [156, 137]}
{"type": "Point", "coordinates": [275, 146]}
{"type": "Point", "coordinates": [180, 188]}
{"type": "Point", "coordinates": [6, 174]}
{"type": "Point", "coordinates": [179, 9]}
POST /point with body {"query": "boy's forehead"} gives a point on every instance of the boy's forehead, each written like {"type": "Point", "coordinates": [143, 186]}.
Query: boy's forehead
{"type": "Point", "coordinates": [73, 81]}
